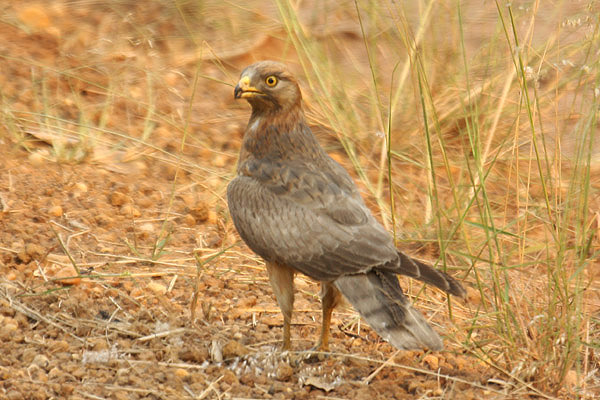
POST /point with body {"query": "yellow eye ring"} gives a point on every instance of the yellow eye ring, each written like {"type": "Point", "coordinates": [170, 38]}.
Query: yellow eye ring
{"type": "Point", "coordinates": [271, 80]}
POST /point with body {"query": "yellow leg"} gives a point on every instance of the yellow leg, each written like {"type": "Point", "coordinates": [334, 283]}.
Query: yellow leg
{"type": "Point", "coordinates": [330, 297]}
{"type": "Point", "coordinates": [282, 282]}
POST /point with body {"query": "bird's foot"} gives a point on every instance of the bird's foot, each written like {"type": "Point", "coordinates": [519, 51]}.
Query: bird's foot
{"type": "Point", "coordinates": [317, 353]}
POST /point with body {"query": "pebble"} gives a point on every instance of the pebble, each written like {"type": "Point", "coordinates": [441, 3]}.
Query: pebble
{"type": "Point", "coordinates": [55, 211]}
{"type": "Point", "coordinates": [284, 372]}
{"type": "Point", "coordinates": [473, 296]}
{"type": "Point", "coordinates": [8, 329]}
{"type": "Point", "coordinates": [34, 250]}
{"type": "Point", "coordinates": [59, 346]}
{"type": "Point", "coordinates": [130, 211]}
{"type": "Point", "coordinates": [189, 220]}
{"type": "Point", "coordinates": [67, 276]}
{"type": "Point", "coordinates": [234, 349]}
{"type": "Point", "coordinates": [171, 79]}
{"type": "Point", "coordinates": [54, 373]}
{"type": "Point", "coordinates": [181, 373]}
{"type": "Point", "coordinates": [35, 17]}
{"type": "Point", "coordinates": [213, 218]}
{"type": "Point", "coordinates": [195, 354]}
{"type": "Point", "coordinates": [431, 361]}
{"type": "Point", "coordinates": [147, 227]}
{"type": "Point", "coordinates": [144, 202]}
{"type": "Point", "coordinates": [37, 159]}
{"type": "Point", "coordinates": [157, 287]}
{"type": "Point", "coordinates": [41, 361]}
{"type": "Point", "coordinates": [200, 212]}
{"type": "Point", "coordinates": [117, 199]}
{"type": "Point", "coordinates": [229, 377]}
{"type": "Point", "coordinates": [81, 187]}
{"type": "Point", "coordinates": [14, 395]}
{"type": "Point", "coordinates": [220, 161]}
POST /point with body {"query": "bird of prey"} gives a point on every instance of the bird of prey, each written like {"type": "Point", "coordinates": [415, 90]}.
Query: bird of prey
{"type": "Point", "coordinates": [299, 210]}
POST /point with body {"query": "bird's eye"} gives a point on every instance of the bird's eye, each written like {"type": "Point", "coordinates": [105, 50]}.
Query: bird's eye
{"type": "Point", "coordinates": [271, 80]}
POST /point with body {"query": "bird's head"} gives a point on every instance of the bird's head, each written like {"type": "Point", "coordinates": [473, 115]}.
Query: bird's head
{"type": "Point", "coordinates": [269, 87]}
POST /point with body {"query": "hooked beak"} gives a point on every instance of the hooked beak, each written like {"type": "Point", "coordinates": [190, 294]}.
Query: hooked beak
{"type": "Point", "coordinates": [243, 90]}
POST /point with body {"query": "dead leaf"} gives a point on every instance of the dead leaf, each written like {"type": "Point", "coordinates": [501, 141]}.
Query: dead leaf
{"type": "Point", "coordinates": [319, 383]}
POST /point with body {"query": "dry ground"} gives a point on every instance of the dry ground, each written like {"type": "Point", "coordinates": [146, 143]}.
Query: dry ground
{"type": "Point", "coordinates": [136, 203]}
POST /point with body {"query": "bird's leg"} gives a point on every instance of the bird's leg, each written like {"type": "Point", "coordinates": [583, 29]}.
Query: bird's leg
{"type": "Point", "coordinates": [282, 282]}
{"type": "Point", "coordinates": [330, 297]}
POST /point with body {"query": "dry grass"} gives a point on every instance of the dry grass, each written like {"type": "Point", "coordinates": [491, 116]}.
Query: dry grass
{"type": "Point", "coordinates": [504, 147]}
{"type": "Point", "coordinates": [471, 128]}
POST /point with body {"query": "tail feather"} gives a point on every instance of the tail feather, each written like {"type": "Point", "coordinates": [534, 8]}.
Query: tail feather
{"type": "Point", "coordinates": [416, 269]}
{"type": "Point", "coordinates": [378, 298]}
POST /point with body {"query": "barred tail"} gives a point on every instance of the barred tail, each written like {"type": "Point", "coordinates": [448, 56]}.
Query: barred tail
{"type": "Point", "coordinates": [378, 298]}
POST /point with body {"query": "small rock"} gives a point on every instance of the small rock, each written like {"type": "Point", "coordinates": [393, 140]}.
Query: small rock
{"type": "Point", "coordinates": [8, 328]}
{"type": "Point", "coordinates": [35, 17]}
{"type": "Point", "coordinates": [41, 361]}
{"type": "Point", "coordinates": [195, 355]}
{"type": "Point", "coordinates": [23, 257]}
{"type": "Point", "coordinates": [147, 227]}
{"type": "Point", "coordinates": [234, 349]}
{"type": "Point", "coordinates": [171, 78]}
{"type": "Point", "coordinates": [81, 187]}
{"type": "Point", "coordinates": [200, 212]}
{"type": "Point", "coordinates": [34, 250]}
{"type": "Point", "coordinates": [473, 296]}
{"type": "Point", "coordinates": [130, 211]}
{"type": "Point", "coordinates": [37, 159]}
{"type": "Point", "coordinates": [66, 389]}
{"type": "Point", "coordinates": [103, 220]}
{"type": "Point", "coordinates": [247, 379]}
{"type": "Point", "coordinates": [144, 202]}
{"type": "Point", "coordinates": [59, 346]}
{"type": "Point", "coordinates": [431, 361]}
{"type": "Point", "coordinates": [55, 211]}
{"type": "Point", "coordinates": [147, 355]}
{"type": "Point", "coordinates": [67, 276]}
{"type": "Point", "coordinates": [181, 373]}
{"type": "Point", "coordinates": [117, 199]}
{"type": "Point", "coordinates": [157, 287]}
{"type": "Point", "coordinates": [29, 354]}
{"type": "Point", "coordinates": [229, 377]}
{"type": "Point", "coordinates": [272, 320]}
{"type": "Point", "coordinates": [14, 395]}
{"type": "Point", "coordinates": [284, 372]}
{"type": "Point", "coordinates": [54, 373]}
{"type": "Point", "coordinates": [189, 220]}
{"type": "Point", "coordinates": [220, 161]}
{"type": "Point", "coordinates": [414, 385]}
{"type": "Point", "coordinates": [213, 218]}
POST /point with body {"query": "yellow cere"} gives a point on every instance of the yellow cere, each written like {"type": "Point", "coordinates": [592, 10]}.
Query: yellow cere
{"type": "Point", "coordinates": [245, 81]}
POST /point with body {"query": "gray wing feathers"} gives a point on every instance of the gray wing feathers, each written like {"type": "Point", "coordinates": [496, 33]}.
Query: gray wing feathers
{"type": "Point", "coordinates": [418, 270]}
{"type": "Point", "coordinates": [379, 300]}
{"type": "Point", "coordinates": [303, 236]}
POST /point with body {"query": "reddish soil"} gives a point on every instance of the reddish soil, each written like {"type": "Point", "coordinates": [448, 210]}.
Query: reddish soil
{"type": "Point", "coordinates": [124, 329]}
